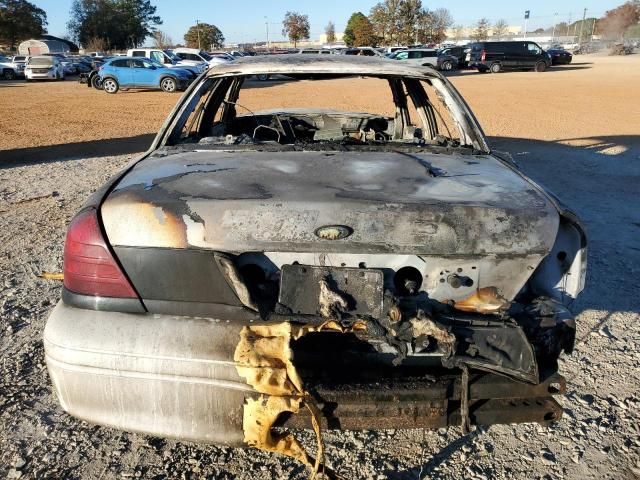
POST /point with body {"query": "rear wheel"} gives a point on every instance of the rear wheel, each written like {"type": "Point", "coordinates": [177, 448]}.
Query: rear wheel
{"type": "Point", "coordinates": [540, 67]}
{"type": "Point", "coordinates": [110, 85]}
{"type": "Point", "coordinates": [168, 85]}
{"type": "Point", "coordinates": [263, 77]}
{"type": "Point", "coordinates": [96, 82]}
{"type": "Point", "coordinates": [495, 68]}
{"type": "Point", "coordinates": [9, 74]}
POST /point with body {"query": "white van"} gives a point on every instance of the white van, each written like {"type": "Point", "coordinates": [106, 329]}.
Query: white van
{"type": "Point", "coordinates": [198, 56]}
{"type": "Point", "coordinates": [169, 59]}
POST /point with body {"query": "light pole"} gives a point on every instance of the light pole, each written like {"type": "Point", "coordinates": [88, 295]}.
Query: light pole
{"type": "Point", "coordinates": [555, 22]}
{"type": "Point", "coordinates": [198, 30]}
{"type": "Point", "coordinates": [266, 25]}
{"type": "Point", "coordinates": [526, 20]}
{"type": "Point", "coordinates": [584, 15]}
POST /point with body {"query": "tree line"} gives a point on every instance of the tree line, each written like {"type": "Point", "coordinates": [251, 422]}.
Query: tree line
{"type": "Point", "coordinates": [405, 22]}
{"type": "Point", "coordinates": [122, 24]}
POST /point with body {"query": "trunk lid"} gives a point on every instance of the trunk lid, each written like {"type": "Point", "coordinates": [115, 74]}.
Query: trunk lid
{"type": "Point", "coordinates": [392, 202]}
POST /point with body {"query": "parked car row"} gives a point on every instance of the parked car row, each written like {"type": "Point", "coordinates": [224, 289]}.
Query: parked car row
{"type": "Point", "coordinates": [483, 56]}
{"type": "Point", "coordinates": [52, 66]}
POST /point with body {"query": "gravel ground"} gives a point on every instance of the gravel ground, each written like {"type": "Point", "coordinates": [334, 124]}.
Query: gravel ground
{"type": "Point", "coordinates": [589, 157]}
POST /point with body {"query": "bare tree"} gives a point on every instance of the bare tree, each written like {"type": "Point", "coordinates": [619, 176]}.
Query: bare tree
{"type": "Point", "coordinates": [162, 40]}
{"type": "Point", "coordinates": [500, 28]}
{"type": "Point", "coordinates": [330, 32]}
{"type": "Point", "coordinates": [96, 44]}
{"type": "Point", "coordinates": [458, 33]}
{"type": "Point", "coordinates": [615, 22]}
{"type": "Point", "coordinates": [296, 27]}
{"type": "Point", "coordinates": [481, 30]}
{"type": "Point", "coordinates": [442, 20]}
{"type": "Point", "coordinates": [384, 17]}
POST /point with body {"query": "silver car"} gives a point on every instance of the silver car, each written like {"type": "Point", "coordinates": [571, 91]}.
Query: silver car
{"type": "Point", "coordinates": [307, 267]}
{"type": "Point", "coordinates": [417, 56]}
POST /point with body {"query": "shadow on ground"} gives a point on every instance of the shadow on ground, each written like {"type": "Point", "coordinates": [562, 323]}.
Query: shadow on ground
{"type": "Point", "coordinates": [91, 149]}
{"type": "Point", "coordinates": [603, 188]}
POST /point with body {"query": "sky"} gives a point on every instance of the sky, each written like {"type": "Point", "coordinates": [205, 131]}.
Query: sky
{"type": "Point", "coordinates": [244, 21]}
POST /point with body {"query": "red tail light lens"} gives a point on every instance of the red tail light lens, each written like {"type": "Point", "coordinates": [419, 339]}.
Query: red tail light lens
{"type": "Point", "coordinates": [482, 55]}
{"type": "Point", "coordinates": [89, 266]}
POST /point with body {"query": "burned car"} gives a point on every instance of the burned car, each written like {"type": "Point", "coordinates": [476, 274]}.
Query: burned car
{"type": "Point", "coordinates": [311, 267]}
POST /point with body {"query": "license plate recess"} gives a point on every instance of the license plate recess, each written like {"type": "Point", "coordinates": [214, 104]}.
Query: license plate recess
{"type": "Point", "coordinates": [363, 288]}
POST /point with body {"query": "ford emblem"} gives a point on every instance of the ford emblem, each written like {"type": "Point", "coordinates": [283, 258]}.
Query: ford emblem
{"type": "Point", "coordinates": [333, 232]}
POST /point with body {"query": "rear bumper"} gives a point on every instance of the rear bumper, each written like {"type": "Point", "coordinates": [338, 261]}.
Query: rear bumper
{"type": "Point", "coordinates": [175, 377]}
{"type": "Point", "coordinates": [157, 374]}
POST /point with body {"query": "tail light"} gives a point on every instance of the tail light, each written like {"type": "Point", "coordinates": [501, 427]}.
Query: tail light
{"type": "Point", "coordinates": [483, 55]}
{"type": "Point", "coordinates": [89, 266]}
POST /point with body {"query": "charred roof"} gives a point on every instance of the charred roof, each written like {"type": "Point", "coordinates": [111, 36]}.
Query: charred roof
{"type": "Point", "coordinates": [342, 65]}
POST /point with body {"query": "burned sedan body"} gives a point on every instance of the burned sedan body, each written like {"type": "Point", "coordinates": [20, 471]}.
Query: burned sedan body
{"type": "Point", "coordinates": [314, 267]}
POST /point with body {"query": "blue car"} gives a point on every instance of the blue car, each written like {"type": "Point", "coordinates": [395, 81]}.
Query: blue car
{"type": "Point", "coordinates": [130, 72]}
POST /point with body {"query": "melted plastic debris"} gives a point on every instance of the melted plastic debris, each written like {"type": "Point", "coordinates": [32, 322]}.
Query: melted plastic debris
{"type": "Point", "coordinates": [263, 357]}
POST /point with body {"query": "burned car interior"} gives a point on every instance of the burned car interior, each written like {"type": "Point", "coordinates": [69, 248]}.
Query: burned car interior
{"type": "Point", "coordinates": [347, 270]}
{"type": "Point", "coordinates": [220, 118]}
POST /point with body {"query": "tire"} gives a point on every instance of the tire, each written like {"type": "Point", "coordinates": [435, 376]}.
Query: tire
{"type": "Point", "coordinates": [9, 74]}
{"type": "Point", "coordinates": [540, 67]}
{"type": "Point", "coordinates": [263, 77]}
{"type": "Point", "coordinates": [110, 85]}
{"type": "Point", "coordinates": [96, 82]}
{"type": "Point", "coordinates": [495, 68]}
{"type": "Point", "coordinates": [447, 65]}
{"type": "Point", "coordinates": [168, 85]}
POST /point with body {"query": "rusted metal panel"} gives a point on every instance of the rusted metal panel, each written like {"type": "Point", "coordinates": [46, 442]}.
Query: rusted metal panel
{"type": "Point", "coordinates": [435, 404]}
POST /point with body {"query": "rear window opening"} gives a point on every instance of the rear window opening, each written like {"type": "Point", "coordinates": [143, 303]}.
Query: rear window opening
{"type": "Point", "coordinates": [346, 111]}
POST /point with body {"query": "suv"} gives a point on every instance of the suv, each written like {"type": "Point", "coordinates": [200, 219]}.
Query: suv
{"type": "Point", "coordinates": [361, 51]}
{"type": "Point", "coordinates": [169, 59]}
{"type": "Point", "coordinates": [198, 56]}
{"type": "Point", "coordinates": [459, 52]}
{"type": "Point", "coordinates": [314, 51]}
{"type": "Point", "coordinates": [9, 70]}
{"type": "Point", "coordinates": [496, 56]}
{"type": "Point", "coordinates": [418, 56]}
{"type": "Point", "coordinates": [129, 72]}
{"type": "Point", "coordinates": [44, 68]}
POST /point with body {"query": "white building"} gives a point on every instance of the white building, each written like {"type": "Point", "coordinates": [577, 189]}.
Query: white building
{"type": "Point", "coordinates": [39, 47]}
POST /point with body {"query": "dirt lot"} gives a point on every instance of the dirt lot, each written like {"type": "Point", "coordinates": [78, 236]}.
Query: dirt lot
{"type": "Point", "coordinates": [588, 99]}
{"type": "Point", "coordinates": [574, 129]}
